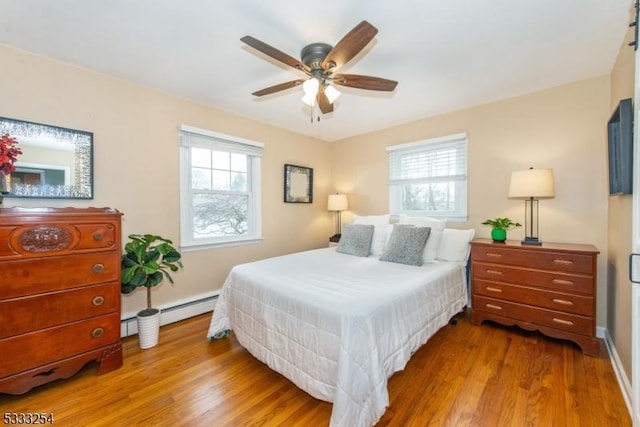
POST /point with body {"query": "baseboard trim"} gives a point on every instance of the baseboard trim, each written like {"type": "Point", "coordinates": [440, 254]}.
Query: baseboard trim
{"type": "Point", "coordinates": [618, 369]}
{"type": "Point", "coordinates": [174, 312]}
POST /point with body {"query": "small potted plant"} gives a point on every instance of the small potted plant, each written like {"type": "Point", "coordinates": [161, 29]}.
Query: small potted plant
{"type": "Point", "coordinates": [500, 227]}
{"type": "Point", "coordinates": [146, 261]}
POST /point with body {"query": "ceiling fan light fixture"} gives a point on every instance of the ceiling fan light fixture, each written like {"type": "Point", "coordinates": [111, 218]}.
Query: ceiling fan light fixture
{"type": "Point", "coordinates": [320, 61]}
{"type": "Point", "coordinates": [310, 87]}
{"type": "Point", "coordinates": [309, 99]}
{"type": "Point", "coordinates": [332, 93]}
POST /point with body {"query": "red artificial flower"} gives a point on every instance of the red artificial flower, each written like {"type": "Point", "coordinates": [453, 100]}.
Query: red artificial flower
{"type": "Point", "coordinates": [8, 154]}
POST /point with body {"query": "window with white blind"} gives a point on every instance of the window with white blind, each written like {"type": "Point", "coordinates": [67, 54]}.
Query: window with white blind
{"type": "Point", "coordinates": [429, 178]}
{"type": "Point", "coordinates": [220, 189]}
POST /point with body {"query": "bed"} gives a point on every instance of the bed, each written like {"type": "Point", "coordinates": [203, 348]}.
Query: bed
{"type": "Point", "coordinates": [338, 325]}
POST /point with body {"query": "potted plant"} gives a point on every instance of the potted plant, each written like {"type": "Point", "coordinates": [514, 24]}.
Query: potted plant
{"type": "Point", "coordinates": [500, 227]}
{"type": "Point", "coordinates": [147, 261]}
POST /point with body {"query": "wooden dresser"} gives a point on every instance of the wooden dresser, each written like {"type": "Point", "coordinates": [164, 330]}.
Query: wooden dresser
{"type": "Point", "coordinates": [550, 288]}
{"type": "Point", "coordinates": [59, 294]}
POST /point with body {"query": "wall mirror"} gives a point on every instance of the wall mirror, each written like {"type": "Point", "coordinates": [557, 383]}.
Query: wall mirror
{"type": "Point", "coordinates": [55, 163]}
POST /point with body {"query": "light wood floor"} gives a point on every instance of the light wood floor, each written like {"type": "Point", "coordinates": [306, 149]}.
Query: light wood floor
{"type": "Point", "coordinates": [465, 375]}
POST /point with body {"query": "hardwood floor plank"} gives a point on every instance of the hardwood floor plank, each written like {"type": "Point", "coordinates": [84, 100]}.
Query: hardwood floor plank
{"type": "Point", "coordinates": [488, 375]}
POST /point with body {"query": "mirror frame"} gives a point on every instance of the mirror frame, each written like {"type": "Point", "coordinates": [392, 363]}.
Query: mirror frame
{"type": "Point", "coordinates": [82, 187]}
{"type": "Point", "coordinates": [298, 184]}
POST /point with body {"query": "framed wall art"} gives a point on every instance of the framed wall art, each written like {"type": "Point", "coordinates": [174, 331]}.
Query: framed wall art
{"type": "Point", "coordinates": [298, 184]}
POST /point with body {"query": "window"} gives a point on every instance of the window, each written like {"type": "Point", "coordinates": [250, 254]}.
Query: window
{"type": "Point", "coordinates": [220, 189]}
{"type": "Point", "coordinates": [429, 178]}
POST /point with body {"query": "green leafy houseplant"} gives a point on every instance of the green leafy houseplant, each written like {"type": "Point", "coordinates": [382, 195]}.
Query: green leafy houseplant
{"type": "Point", "coordinates": [146, 261]}
{"type": "Point", "coordinates": [502, 224]}
{"type": "Point", "coordinates": [499, 228]}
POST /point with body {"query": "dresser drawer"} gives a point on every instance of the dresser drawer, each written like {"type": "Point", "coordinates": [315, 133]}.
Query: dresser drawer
{"type": "Point", "coordinates": [555, 261]}
{"type": "Point", "coordinates": [25, 314]}
{"type": "Point", "coordinates": [57, 343]}
{"type": "Point", "coordinates": [556, 281]}
{"type": "Point", "coordinates": [54, 239]}
{"type": "Point", "coordinates": [555, 319]}
{"type": "Point", "coordinates": [570, 303]}
{"type": "Point", "coordinates": [39, 275]}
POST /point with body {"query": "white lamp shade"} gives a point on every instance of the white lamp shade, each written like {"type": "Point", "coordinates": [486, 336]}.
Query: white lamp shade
{"type": "Point", "coordinates": [310, 87]}
{"type": "Point", "coordinates": [309, 99]}
{"type": "Point", "coordinates": [332, 93]}
{"type": "Point", "coordinates": [337, 202]}
{"type": "Point", "coordinates": [536, 183]}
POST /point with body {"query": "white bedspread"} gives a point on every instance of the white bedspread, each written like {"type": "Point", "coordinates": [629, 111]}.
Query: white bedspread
{"type": "Point", "coordinates": [338, 326]}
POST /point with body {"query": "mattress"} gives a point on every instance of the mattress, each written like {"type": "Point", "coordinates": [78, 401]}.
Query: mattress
{"type": "Point", "coordinates": [336, 325]}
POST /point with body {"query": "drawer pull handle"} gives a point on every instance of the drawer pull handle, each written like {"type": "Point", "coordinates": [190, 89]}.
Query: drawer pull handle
{"type": "Point", "coordinates": [97, 236]}
{"type": "Point", "coordinates": [496, 307]}
{"type": "Point", "coordinates": [493, 254]}
{"type": "Point", "coordinates": [494, 272]}
{"type": "Point", "coordinates": [46, 373]}
{"type": "Point", "coordinates": [97, 268]}
{"type": "Point", "coordinates": [97, 332]}
{"type": "Point", "coordinates": [492, 289]}
{"type": "Point", "coordinates": [562, 282]}
{"type": "Point", "coordinates": [562, 321]}
{"type": "Point", "coordinates": [98, 300]}
{"type": "Point", "coordinates": [562, 301]}
{"type": "Point", "coordinates": [563, 261]}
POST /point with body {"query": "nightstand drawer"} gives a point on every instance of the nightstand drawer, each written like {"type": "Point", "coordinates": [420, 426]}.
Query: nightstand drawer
{"type": "Point", "coordinates": [551, 280]}
{"type": "Point", "coordinates": [554, 261]}
{"type": "Point", "coordinates": [576, 304]}
{"type": "Point", "coordinates": [536, 315]}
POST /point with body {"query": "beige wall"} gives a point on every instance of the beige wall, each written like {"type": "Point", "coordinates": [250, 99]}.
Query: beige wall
{"type": "Point", "coordinates": [619, 226]}
{"type": "Point", "coordinates": [136, 163]}
{"type": "Point", "coordinates": [561, 128]}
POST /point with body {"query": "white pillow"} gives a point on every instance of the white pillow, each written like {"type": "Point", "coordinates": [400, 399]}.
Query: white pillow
{"type": "Point", "coordinates": [436, 225]}
{"type": "Point", "coordinates": [381, 232]}
{"type": "Point", "coordinates": [454, 245]}
{"type": "Point", "coordinates": [371, 219]}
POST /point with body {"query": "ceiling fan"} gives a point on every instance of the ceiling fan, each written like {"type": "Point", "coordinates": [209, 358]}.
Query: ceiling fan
{"type": "Point", "coordinates": [320, 61]}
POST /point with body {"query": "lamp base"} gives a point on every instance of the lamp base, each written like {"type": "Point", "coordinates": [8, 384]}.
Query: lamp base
{"type": "Point", "coordinates": [531, 241]}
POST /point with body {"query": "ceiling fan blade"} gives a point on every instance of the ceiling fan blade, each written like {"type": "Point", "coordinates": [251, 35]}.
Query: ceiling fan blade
{"type": "Point", "coordinates": [278, 87]}
{"type": "Point", "coordinates": [323, 102]}
{"type": "Point", "coordinates": [350, 45]}
{"type": "Point", "coordinates": [364, 82]}
{"type": "Point", "coordinates": [275, 53]}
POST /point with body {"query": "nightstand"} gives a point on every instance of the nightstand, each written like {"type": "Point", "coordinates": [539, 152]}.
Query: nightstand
{"type": "Point", "coordinates": [549, 288]}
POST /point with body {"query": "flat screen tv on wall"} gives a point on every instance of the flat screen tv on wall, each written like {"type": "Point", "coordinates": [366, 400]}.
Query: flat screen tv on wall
{"type": "Point", "coordinates": [620, 149]}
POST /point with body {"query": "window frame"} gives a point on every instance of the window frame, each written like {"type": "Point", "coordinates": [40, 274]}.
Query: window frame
{"type": "Point", "coordinates": [220, 142]}
{"type": "Point", "coordinates": [460, 180]}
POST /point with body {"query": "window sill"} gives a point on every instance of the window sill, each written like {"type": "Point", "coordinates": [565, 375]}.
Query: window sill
{"type": "Point", "coordinates": [206, 246]}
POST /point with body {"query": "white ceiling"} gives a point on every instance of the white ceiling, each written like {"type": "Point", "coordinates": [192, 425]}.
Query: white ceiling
{"type": "Point", "coordinates": [446, 54]}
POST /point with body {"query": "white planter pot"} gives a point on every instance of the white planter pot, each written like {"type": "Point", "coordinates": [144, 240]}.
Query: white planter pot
{"type": "Point", "coordinates": [148, 329]}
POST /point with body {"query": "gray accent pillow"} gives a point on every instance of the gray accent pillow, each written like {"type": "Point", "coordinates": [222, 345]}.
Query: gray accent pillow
{"type": "Point", "coordinates": [356, 239]}
{"type": "Point", "coordinates": [406, 244]}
